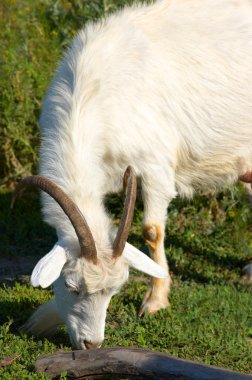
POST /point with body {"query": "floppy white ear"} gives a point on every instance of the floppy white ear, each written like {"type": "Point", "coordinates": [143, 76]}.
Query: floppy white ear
{"type": "Point", "coordinates": [49, 267]}
{"type": "Point", "coordinates": [142, 262]}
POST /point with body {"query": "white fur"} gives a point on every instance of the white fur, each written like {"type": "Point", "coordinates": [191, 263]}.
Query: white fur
{"type": "Point", "coordinates": [45, 320]}
{"type": "Point", "coordinates": [49, 267]}
{"type": "Point", "coordinates": [165, 88]}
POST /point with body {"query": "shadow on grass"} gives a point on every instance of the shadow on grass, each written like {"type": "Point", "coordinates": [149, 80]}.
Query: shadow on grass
{"type": "Point", "coordinates": [202, 264]}
{"type": "Point", "coordinates": [24, 237]}
{"type": "Point", "coordinates": [19, 312]}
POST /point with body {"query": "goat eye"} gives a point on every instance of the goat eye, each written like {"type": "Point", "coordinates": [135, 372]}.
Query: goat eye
{"type": "Point", "coordinates": [72, 288]}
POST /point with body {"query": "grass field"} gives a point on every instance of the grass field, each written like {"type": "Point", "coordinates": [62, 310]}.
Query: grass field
{"type": "Point", "coordinates": [208, 241]}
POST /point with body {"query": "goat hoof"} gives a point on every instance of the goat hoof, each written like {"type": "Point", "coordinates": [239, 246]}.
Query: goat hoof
{"type": "Point", "coordinates": [152, 305]}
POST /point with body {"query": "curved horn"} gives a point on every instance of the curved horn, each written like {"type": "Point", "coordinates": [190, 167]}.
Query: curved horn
{"type": "Point", "coordinates": [87, 244]}
{"type": "Point", "coordinates": [130, 182]}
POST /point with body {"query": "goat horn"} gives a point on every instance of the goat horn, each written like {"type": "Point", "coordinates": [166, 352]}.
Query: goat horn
{"type": "Point", "coordinates": [86, 241]}
{"type": "Point", "coordinates": [130, 183]}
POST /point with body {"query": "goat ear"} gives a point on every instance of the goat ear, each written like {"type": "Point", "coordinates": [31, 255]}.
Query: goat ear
{"type": "Point", "coordinates": [142, 262]}
{"type": "Point", "coordinates": [49, 267]}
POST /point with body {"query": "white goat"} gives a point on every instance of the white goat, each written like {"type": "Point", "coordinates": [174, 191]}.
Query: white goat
{"type": "Point", "coordinates": [165, 88]}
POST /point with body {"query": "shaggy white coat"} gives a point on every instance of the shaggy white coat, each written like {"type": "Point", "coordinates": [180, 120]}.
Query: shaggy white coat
{"type": "Point", "coordinates": [165, 88]}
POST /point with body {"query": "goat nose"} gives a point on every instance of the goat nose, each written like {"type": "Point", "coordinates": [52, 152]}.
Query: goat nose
{"type": "Point", "coordinates": [92, 345]}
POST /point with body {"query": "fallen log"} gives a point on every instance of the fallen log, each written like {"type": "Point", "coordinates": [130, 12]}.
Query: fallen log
{"type": "Point", "coordinates": [134, 363]}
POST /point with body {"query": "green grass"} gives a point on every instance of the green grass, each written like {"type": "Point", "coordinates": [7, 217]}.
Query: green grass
{"type": "Point", "coordinates": [208, 241]}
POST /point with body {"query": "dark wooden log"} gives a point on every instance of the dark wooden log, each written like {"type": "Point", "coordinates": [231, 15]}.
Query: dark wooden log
{"type": "Point", "coordinates": [134, 363]}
